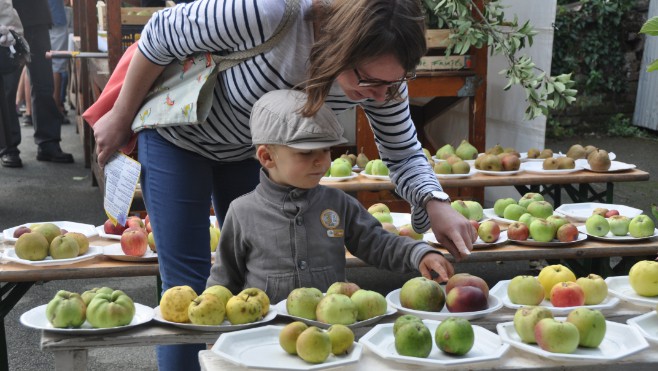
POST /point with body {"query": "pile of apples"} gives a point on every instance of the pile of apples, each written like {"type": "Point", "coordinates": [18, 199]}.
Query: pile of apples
{"type": "Point", "coordinates": [313, 344]}
{"type": "Point", "coordinates": [464, 293]}
{"type": "Point", "coordinates": [101, 307]}
{"type": "Point", "coordinates": [376, 167]}
{"type": "Point", "coordinates": [382, 213]}
{"type": "Point", "coordinates": [603, 221]}
{"type": "Point", "coordinates": [39, 241]}
{"type": "Point", "coordinates": [498, 158]}
{"type": "Point", "coordinates": [340, 167]}
{"type": "Point", "coordinates": [453, 336]}
{"type": "Point", "coordinates": [181, 304]}
{"type": "Point", "coordinates": [345, 303]}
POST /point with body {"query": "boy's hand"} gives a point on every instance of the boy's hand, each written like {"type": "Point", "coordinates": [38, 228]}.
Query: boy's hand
{"type": "Point", "coordinates": [437, 263]}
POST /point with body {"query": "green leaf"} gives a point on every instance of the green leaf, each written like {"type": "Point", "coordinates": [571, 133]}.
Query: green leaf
{"type": "Point", "coordinates": [653, 66]}
{"type": "Point", "coordinates": [650, 27]}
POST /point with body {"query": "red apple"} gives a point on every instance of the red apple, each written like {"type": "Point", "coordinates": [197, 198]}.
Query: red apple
{"type": "Point", "coordinates": [135, 222]}
{"type": "Point", "coordinates": [518, 231]}
{"type": "Point", "coordinates": [148, 227]}
{"type": "Point", "coordinates": [467, 279]}
{"type": "Point", "coordinates": [489, 231]}
{"type": "Point", "coordinates": [567, 294]}
{"type": "Point", "coordinates": [567, 233]}
{"type": "Point", "coordinates": [110, 228]}
{"type": "Point", "coordinates": [611, 213]}
{"type": "Point", "coordinates": [147, 219]}
{"type": "Point", "coordinates": [20, 230]}
{"type": "Point", "coordinates": [466, 299]}
{"type": "Point", "coordinates": [134, 242]}
{"type": "Point", "coordinates": [475, 224]}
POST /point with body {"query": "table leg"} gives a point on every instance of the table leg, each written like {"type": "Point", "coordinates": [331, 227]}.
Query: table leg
{"type": "Point", "coordinates": [71, 360]}
{"type": "Point", "coordinates": [10, 294]}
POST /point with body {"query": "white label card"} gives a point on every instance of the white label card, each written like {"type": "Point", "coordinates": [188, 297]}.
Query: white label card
{"type": "Point", "coordinates": [121, 177]}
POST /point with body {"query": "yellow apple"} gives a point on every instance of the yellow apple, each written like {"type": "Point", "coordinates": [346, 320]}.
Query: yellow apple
{"type": "Point", "coordinates": [643, 277]}
{"type": "Point", "coordinates": [552, 274]}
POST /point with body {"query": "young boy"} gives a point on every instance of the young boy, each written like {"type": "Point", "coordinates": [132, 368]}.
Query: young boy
{"type": "Point", "coordinates": [291, 232]}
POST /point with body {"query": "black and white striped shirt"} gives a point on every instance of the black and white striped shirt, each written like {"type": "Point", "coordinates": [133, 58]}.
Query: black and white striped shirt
{"type": "Point", "coordinates": [230, 25]}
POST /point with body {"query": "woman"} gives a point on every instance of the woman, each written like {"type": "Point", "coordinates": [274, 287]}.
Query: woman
{"type": "Point", "coordinates": [343, 52]}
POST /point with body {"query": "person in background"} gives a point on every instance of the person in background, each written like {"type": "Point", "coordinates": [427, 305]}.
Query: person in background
{"type": "Point", "coordinates": [59, 40]}
{"type": "Point", "coordinates": [23, 101]}
{"type": "Point", "coordinates": [290, 231]}
{"type": "Point", "coordinates": [343, 53]}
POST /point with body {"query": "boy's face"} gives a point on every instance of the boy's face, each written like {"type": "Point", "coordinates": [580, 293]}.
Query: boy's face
{"type": "Point", "coordinates": [296, 167]}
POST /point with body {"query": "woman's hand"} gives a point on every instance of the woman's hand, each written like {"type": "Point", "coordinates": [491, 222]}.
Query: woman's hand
{"type": "Point", "coordinates": [451, 229]}
{"type": "Point", "coordinates": [111, 133]}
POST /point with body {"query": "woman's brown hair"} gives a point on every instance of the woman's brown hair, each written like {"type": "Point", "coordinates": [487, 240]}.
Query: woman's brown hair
{"type": "Point", "coordinates": [353, 31]}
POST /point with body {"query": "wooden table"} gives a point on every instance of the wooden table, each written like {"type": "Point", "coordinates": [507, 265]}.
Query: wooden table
{"type": "Point", "coordinates": [578, 184]}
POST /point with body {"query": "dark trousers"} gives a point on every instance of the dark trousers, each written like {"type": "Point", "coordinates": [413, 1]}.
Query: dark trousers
{"type": "Point", "coordinates": [10, 133]}
{"type": "Point", "coordinates": [46, 117]}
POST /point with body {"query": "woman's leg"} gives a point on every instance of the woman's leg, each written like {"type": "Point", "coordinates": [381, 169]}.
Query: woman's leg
{"type": "Point", "coordinates": [177, 185]}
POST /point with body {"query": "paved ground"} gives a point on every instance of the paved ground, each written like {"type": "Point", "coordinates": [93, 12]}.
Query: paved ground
{"type": "Point", "coordinates": [44, 191]}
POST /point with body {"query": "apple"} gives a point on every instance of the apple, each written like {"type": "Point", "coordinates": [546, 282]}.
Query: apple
{"type": "Point", "coordinates": [501, 204]}
{"type": "Point", "coordinates": [525, 290]}
{"type": "Point", "coordinates": [461, 207]}
{"type": "Point", "coordinates": [529, 197]}
{"type": "Point", "coordinates": [525, 320]}
{"type": "Point", "coordinates": [455, 335]}
{"type": "Point", "coordinates": [289, 334]}
{"type": "Point", "coordinates": [619, 224]}
{"type": "Point", "coordinates": [475, 211]}
{"type": "Point", "coordinates": [241, 309]}
{"type": "Point", "coordinates": [510, 162]}
{"type": "Point", "coordinates": [489, 231]}
{"type": "Point", "coordinates": [600, 211]}
{"type": "Point", "coordinates": [342, 338]}
{"type": "Point", "coordinates": [174, 303]}
{"type": "Point", "coordinates": [64, 247]}
{"type": "Point", "coordinates": [420, 293]}
{"type": "Point", "coordinates": [207, 309]}
{"type": "Point", "coordinates": [467, 279]}
{"type": "Point", "coordinates": [540, 209]}
{"type": "Point", "coordinates": [135, 222]}
{"type": "Point", "coordinates": [383, 217]}
{"type": "Point", "coordinates": [345, 288]}
{"type": "Point", "coordinates": [514, 212]}
{"type": "Point", "coordinates": [597, 225]}
{"type": "Point", "coordinates": [567, 294]}
{"type": "Point", "coordinates": [466, 299]}
{"type": "Point", "coordinates": [66, 310]}
{"type": "Point", "coordinates": [110, 310]}
{"type": "Point", "coordinates": [594, 287]}
{"type": "Point", "coordinates": [134, 242]}
{"type": "Point", "coordinates": [518, 231]}
{"type": "Point", "coordinates": [526, 218]}
{"type": "Point", "coordinates": [403, 320]}
{"type": "Point", "coordinates": [557, 336]}
{"type": "Point", "coordinates": [369, 304]}
{"type": "Point", "coordinates": [591, 326]}
{"type": "Point", "coordinates": [408, 231]}
{"type": "Point", "coordinates": [219, 291]}
{"type": "Point", "coordinates": [552, 274]}
{"type": "Point", "coordinates": [557, 221]}
{"type": "Point", "coordinates": [567, 233]}
{"type": "Point", "coordinates": [254, 293]}
{"type": "Point", "coordinates": [214, 237]}
{"type": "Point", "coordinates": [641, 226]}
{"type": "Point", "coordinates": [313, 345]}
{"type": "Point", "coordinates": [20, 230]}
{"type": "Point", "coordinates": [475, 224]}
{"type": "Point", "coordinates": [151, 242]}
{"type": "Point", "coordinates": [379, 207]}
{"type": "Point", "coordinates": [643, 278]}
{"type": "Point", "coordinates": [89, 294]}
{"type": "Point", "coordinates": [413, 339]}
{"type": "Point", "coordinates": [611, 213]}
{"type": "Point", "coordinates": [541, 230]}
{"type": "Point", "coordinates": [110, 228]}
{"type": "Point", "coordinates": [336, 309]}
{"type": "Point", "coordinates": [82, 240]}
{"type": "Point", "coordinates": [340, 169]}
{"type": "Point", "coordinates": [390, 228]}
{"type": "Point", "coordinates": [32, 246]}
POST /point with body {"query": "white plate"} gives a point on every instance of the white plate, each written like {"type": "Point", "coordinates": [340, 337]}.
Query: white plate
{"type": "Point", "coordinates": [621, 288]}
{"type": "Point", "coordinates": [614, 166]}
{"type": "Point", "coordinates": [226, 326]}
{"type": "Point", "coordinates": [393, 299]}
{"type": "Point", "coordinates": [283, 311]}
{"type": "Point", "coordinates": [487, 347]}
{"type": "Point", "coordinates": [500, 173]}
{"type": "Point", "coordinates": [581, 211]}
{"type": "Point", "coordinates": [538, 168]}
{"type": "Point", "coordinates": [620, 341]}
{"type": "Point", "coordinates": [554, 243]}
{"type": "Point", "coordinates": [471, 172]}
{"type": "Point", "coordinates": [500, 291]}
{"type": "Point", "coordinates": [400, 219]}
{"type": "Point", "coordinates": [338, 178]}
{"type": "Point", "coordinates": [375, 177]}
{"type": "Point", "coordinates": [478, 244]}
{"type": "Point", "coordinates": [259, 348]}
{"type": "Point", "coordinates": [612, 237]}
{"type": "Point", "coordinates": [647, 324]}
{"type": "Point", "coordinates": [93, 251]}
{"type": "Point", "coordinates": [36, 318]}
{"type": "Point", "coordinates": [86, 229]}
{"type": "Point", "coordinates": [101, 232]}
{"type": "Point", "coordinates": [115, 252]}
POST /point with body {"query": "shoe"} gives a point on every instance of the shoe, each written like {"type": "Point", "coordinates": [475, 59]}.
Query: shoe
{"type": "Point", "coordinates": [55, 156]}
{"type": "Point", "coordinates": [27, 120]}
{"type": "Point", "coordinates": [11, 160]}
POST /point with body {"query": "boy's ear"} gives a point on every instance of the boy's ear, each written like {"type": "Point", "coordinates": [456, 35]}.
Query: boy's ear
{"type": "Point", "coordinates": [265, 156]}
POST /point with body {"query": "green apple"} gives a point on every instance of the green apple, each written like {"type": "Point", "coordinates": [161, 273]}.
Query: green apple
{"type": "Point", "coordinates": [219, 291]}
{"type": "Point", "coordinates": [289, 334]}
{"type": "Point", "coordinates": [420, 293]}
{"type": "Point", "coordinates": [442, 167]}
{"type": "Point", "coordinates": [82, 240]}
{"type": "Point", "coordinates": [31, 246]}
{"type": "Point", "coordinates": [541, 230]}
{"type": "Point", "coordinates": [345, 288]}
{"type": "Point", "coordinates": [383, 217]}
{"type": "Point", "coordinates": [489, 231]}
{"type": "Point", "coordinates": [501, 204]}
{"type": "Point", "coordinates": [403, 320]}
{"type": "Point", "coordinates": [445, 151]}
{"type": "Point", "coordinates": [475, 211]}
{"type": "Point", "coordinates": [66, 310]}
{"type": "Point", "coordinates": [110, 310]}
{"type": "Point", "coordinates": [379, 208]}
{"type": "Point", "coordinates": [557, 336]}
{"type": "Point", "coordinates": [595, 288]}
{"type": "Point", "coordinates": [413, 339]}
{"type": "Point", "coordinates": [369, 304]}
{"type": "Point", "coordinates": [89, 294]}
{"type": "Point", "coordinates": [641, 226]}
{"type": "Point", "coordinates": [514, 212]}
{"type": "Point", "coordinates": [408, 230]}
{"type": "Point", "coordinates": [214, 238]}
{"type": "Point", "coordinates": [340, 168]}
{"type": "Point", "coordinates": [379, 168]}
{"type": "Point", "coordinates": [64, 247]}
{"type": "Point", "coordinates": [591, 326]}
{"type": "Point", "coordinates": [557, 220]}
{"type": "Point", "coordinates": [619, 224]}
{"type": "Point", "coordinates": [313, 345]}
{"type": "Point", "coordinates": [643, 278]}
{"type": "Point", "coordinates": [303, 301]}
{"type": "Point", "coordinates": [241, 309]}
{"type": "Point", "coordinates": [207, 309]}
{"type": "Point", "coordinates": [454, 335]}
{"type": "Point", "coordinates": [540, 209]}
{"type": "Point", "coordinates": [48, 230]}
{"type": "Point", "coordinates": [461, 207]}
{"type": "Point", "coordinates": [552, 274]}
{"type": "Point", "coordinates": [336, 309]}
{"type": "Point", "coordinates": [525, 290]}
{"type": "Point", "coordinates": [342, 338]}
{"type": "Point", "coordinates": [461, 167]}
{"type": "Point", "coordinates": [529, 197]}
{"type": "Point", "coordinates": [526, 218]}
{"type": "Point", "coordinates": [597, 225]}
{"type": "Point", "coordinates": [525, 320]}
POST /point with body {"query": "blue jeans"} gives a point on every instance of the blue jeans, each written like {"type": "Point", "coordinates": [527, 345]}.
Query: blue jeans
{"type": "Point", "coordinates": [178, 187]}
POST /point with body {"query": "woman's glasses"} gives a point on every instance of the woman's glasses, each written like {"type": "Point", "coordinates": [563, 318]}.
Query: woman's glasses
{"type": "Point", "coordinates": [371, 83]}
